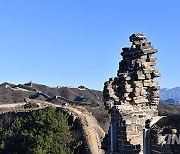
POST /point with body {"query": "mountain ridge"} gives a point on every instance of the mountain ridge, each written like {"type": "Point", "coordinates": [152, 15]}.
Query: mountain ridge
{"type": "Point", "coordinates": [173, 93]}
{"type": "Point", "coordinates": [34, 90]}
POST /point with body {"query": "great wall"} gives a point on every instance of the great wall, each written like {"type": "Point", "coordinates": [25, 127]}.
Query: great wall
{"type": "Point", "coordinates": [92, 133]}
{"type": "Point", "coordinates": [131, 98]}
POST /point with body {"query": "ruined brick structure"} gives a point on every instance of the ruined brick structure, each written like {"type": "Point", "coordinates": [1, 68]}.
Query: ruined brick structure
{"type": "Point", "coordinates": [132, 96]}
{"type": "Point", "coordinates": [164, 136]}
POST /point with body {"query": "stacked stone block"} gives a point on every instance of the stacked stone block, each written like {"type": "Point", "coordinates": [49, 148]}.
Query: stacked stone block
{"type": "Point", "coordinates": [134, 83]}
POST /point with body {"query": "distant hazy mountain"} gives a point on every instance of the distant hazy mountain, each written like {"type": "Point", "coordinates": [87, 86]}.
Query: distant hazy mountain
{"type": "Point", "coordinates": [173, 93]}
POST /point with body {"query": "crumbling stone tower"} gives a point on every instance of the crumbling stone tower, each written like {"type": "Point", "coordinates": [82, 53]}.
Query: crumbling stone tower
{"type": "Point", "coordinates": [132, 96]}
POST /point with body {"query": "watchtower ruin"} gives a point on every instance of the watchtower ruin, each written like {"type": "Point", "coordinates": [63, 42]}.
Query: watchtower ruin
{"type": "Point", "coordinates": [132, 96]}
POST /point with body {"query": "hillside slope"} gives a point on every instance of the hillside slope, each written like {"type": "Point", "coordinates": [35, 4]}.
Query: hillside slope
{"type": "Point", "coordinates": [10, 93]}
{"type": "Point", "coordinates": [91, 99]}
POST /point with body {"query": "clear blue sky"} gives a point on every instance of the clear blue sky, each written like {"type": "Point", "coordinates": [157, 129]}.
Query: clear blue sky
{"type": "Point", "coordinates": [74, 42]}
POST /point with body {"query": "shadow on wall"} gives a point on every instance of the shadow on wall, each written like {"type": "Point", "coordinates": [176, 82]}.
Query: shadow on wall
{"type": "Point", "coordinates": [116, 139]}
{"type": "Point", "coordinates": [165, 136]}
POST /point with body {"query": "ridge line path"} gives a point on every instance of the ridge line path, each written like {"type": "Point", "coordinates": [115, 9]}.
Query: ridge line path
{"type": "Point", "coordinates": [94, 134]}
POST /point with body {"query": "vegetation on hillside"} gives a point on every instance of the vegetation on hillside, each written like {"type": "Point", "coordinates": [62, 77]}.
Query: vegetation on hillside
{"type": "Point", "coordinates": [30, 105]}
{"type": "Point", "coordinates": [167, 110]}
{"type": "Point", "coordinates": [42, 132]}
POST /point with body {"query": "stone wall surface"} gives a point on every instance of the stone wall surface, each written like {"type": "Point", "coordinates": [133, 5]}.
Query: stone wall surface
{"type": "Point", "coordinates": [165, 136]}
{"type": "Point", "coordinates": [132, 96]}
